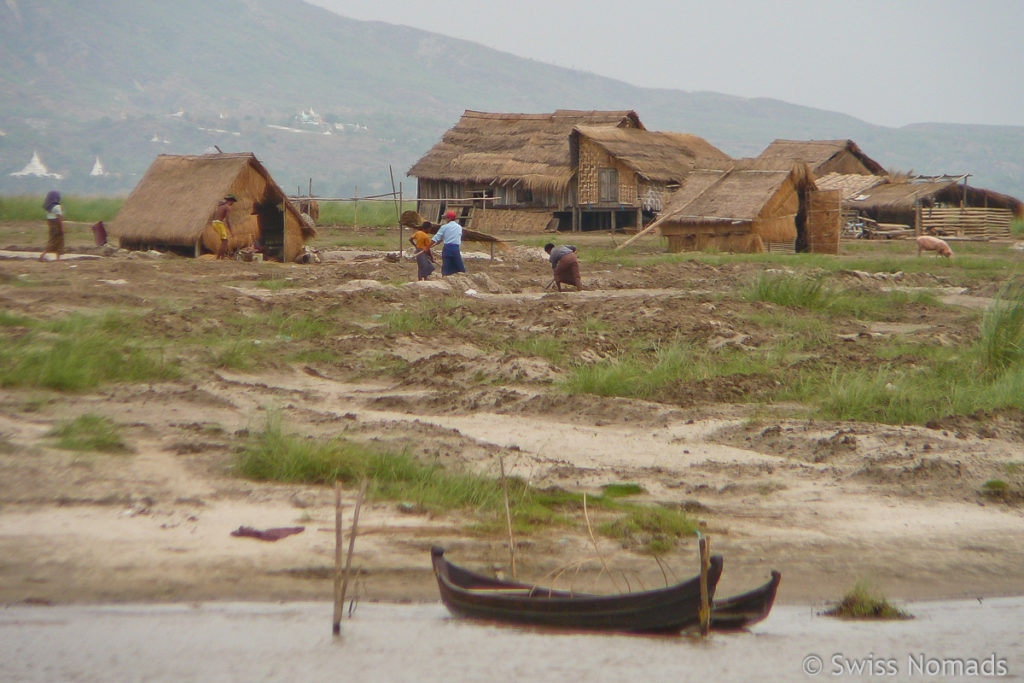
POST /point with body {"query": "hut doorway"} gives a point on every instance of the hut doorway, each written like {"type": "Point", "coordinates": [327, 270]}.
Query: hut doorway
{"type": "Point", "coordinates": [270, 216]}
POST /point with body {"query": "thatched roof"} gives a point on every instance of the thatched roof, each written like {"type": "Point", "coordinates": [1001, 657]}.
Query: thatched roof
{"type": "Point", "coordinates": [928, 191]}
{"type": "Point", "coordinates": [176, 198]}
{"type": "Point", "coordinates": [849, 184]}
{"type": "Point", "coordinates": [531, 150]}
{"type": "Point", "coordinates": [657, 156]}
{"type": "Point", "coordinates": [815, 153]}
{"type": "Point", "coordinates": [736, 195]}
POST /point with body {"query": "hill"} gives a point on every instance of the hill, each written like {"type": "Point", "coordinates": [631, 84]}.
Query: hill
{"type": "Point", "coordinates": [318, 96]}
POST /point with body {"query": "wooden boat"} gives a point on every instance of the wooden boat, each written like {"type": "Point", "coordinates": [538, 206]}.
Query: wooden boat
{"type": "Point", "coordinates": [746, 609]}
{"type": "Point", "coordinates": [665, 610]}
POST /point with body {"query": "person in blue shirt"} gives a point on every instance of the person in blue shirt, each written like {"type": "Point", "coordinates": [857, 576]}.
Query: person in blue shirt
{"type": "Point", "coordinates": [451, 253]}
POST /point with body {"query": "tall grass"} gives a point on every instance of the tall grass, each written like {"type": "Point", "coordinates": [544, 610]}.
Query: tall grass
{"type": "Point", "coordinates": [1002, 330]}
{"type": "Point", "coordinates": [85, 209]}
{"type": "Point", "coordinates": [80, 352]}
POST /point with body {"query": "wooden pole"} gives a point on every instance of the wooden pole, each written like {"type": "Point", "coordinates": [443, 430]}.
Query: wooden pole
{"type": "Point", "coordinates": [355, 206]}
{"type": "Point", "coordinates": [704, 543]}
{"type": "Point", "coordinates": [398, 213]}
{"type": "Point", "coordinates": [338, 600]}
{"type": "Point", "coordinates": [508, 517]}
{"type": "Point", "coordinates": [352, 539]}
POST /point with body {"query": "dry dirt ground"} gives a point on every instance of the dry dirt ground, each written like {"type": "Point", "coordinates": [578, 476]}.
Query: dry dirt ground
{"type": "Point", "coordinates": [825, 502]}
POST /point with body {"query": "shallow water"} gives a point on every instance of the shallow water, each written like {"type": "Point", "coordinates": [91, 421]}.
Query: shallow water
{"type": "Point", "coordinates": [386, 642]}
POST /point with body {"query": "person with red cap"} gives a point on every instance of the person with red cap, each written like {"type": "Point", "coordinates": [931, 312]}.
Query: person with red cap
{"type": "Point", "coordinates": [451, 253]}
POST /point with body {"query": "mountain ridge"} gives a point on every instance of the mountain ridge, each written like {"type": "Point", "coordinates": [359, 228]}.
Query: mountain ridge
{"type": "Point", "coordinates": [127, 80]}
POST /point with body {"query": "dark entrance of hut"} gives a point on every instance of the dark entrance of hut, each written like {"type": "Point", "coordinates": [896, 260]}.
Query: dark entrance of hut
{"type": "Point", "coordinates": [614, 220]}
{"type": "Point", "coordinates": [270, 216]}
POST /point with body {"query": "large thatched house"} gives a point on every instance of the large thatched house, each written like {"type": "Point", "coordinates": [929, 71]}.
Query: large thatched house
{"type": "Point", "coordinates": [173, 205]}
{"type": "Point", "coordinates": [824, 156]}
{"type": "Point", "coordinates": [517, 166]}
{"type": "Point", "coordinates": [624, 175]}
{"type": "Point", "coordinates": [751, 205]}
{"type": "Point", "coordinates": [576, 170]}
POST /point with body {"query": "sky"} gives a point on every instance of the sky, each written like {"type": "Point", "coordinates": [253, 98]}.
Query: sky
{"type": "Point", "coordinates": [887, 62]}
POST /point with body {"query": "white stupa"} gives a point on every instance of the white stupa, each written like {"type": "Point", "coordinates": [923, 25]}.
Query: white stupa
{"type": "Point", "coordinates": [35, 167]}
{"type": "Point", "coordinates": [97, 168]}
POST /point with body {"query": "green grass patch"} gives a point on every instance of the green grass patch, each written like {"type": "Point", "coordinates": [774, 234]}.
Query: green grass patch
{"type": "Point", "coordinates": [864, 601]}
{"type": "Point", "coordinates": [80, 352]}
{"type": "Point", "coordinates": [446, 315]}
{"type": "Point", "coordinates": [277, 284]}
{"type": "Point", "coordinates": [90, 433]}
{"type": "Point", "coordinates": [76, 208]}
{"type": "Point", "coordinates": [372, 214]}
{"type": "Point", "coordinates": [622, 490]}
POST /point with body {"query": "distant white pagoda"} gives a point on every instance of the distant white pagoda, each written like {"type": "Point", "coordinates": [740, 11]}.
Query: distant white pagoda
{"type": "Point", "coordinates": [35, 167]}
{"type": "Point", "coordinates": [97, 168]}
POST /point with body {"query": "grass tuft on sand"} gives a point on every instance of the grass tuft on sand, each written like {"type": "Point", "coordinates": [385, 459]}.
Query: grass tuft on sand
{"type": "Point", "coordinates": [90, 432]}
{"type": "Point", "coordinates": [865, 601]}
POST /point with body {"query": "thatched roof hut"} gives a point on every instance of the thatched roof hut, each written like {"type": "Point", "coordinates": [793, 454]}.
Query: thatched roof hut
{"type": "Point", "coordinates": [897, 198]}
{"type": "Point", "coordinates": [173, 205]}
{"type": "Point", "coordinates": [652, 155]}
{"type": "Point", "coordinates": [511, 161]}
{"type": "Point", "coordinates": [529, 150]}
{"type": "Point", "coordinates": [824, 156]}
{"type": "Point", "coordinates": [747, 207]}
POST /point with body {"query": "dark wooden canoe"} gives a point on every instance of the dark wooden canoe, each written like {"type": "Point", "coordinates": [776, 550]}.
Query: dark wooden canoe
{"type": "Point", "coordinates": [666, 610]}
{"type": "Point", "coordinates": [746, 609]}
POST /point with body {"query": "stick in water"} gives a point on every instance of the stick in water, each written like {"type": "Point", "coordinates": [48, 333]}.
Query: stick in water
{"type": "Point", "coordinates": [508, 517]}
{"type": "Point", "coordinates": [352, 539]}
{"type": "Point", "coordinates": [703, 543]}
{"type": "Point", "coordinates": [337, 559]}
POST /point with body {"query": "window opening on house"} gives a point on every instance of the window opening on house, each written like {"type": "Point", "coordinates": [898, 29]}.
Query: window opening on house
{"type": "Point", "coordinates": [608, 185]}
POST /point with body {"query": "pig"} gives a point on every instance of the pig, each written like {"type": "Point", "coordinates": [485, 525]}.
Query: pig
{"type": "Point", "coordinates": [929, 243]}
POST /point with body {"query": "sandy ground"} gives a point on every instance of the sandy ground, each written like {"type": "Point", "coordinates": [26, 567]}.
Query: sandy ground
{"type": "Point", "coordinates": [827, 503]}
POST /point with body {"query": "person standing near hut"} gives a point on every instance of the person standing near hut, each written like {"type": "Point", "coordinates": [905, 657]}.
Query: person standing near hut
{"type": "Point", "coordinates": [451, 254]}
{"type": "Point", "coordinates": [424, 257]}
{"type": "Point", "coordinates": [55, 222]}
{"type": "Point", "coordinates": [564, 265]}
{"type": "Point", "coordinates": [222, 224]}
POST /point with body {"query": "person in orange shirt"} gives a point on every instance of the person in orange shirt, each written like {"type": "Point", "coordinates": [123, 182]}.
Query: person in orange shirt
{"type": "Point", "coordinates": [424, 257]}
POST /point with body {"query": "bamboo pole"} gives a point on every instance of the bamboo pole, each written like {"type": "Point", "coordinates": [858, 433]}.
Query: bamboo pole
{"type": "Point", "coordinates": [398, 211]}
{"type": "Point", "coordinates": [352, 539]}
{"type": "Point", "coordinates": [336, 629]}
{"type": "Point", "coordinates": [508, 517]}
{"type": "Point", "coordinates": [703, 544]}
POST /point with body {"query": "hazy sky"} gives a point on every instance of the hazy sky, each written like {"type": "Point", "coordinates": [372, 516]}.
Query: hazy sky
{"type": "Point", "coordinates": [889, 62]}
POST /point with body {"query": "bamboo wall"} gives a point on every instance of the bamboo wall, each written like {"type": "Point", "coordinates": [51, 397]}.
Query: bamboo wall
{"type": "Point", "coordinates": [823, 221]}
{"type": "Point", "coordinates": [591, 159]}
{"type": "Point", "coordinates": [967, 222]}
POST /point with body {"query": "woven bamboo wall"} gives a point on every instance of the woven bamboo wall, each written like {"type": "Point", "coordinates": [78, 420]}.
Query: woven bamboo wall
{"type": "Point", "coordinates": [823, 221]}
{"type": "Point", "coordinates": [967, 221]}
{"type": "Point", "coordinates": [592, 159]}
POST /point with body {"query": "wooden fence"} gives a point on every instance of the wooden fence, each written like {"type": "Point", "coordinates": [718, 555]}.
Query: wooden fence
{"type": "Point", "coordinates": [976, 222]}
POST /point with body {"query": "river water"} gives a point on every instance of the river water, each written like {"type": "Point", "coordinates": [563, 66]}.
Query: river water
{"type": "Point", "coordinates": [964, 640]}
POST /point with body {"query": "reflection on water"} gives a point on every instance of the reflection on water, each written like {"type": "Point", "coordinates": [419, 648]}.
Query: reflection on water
{"type": "Point", "coordinates": [292, 641]}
